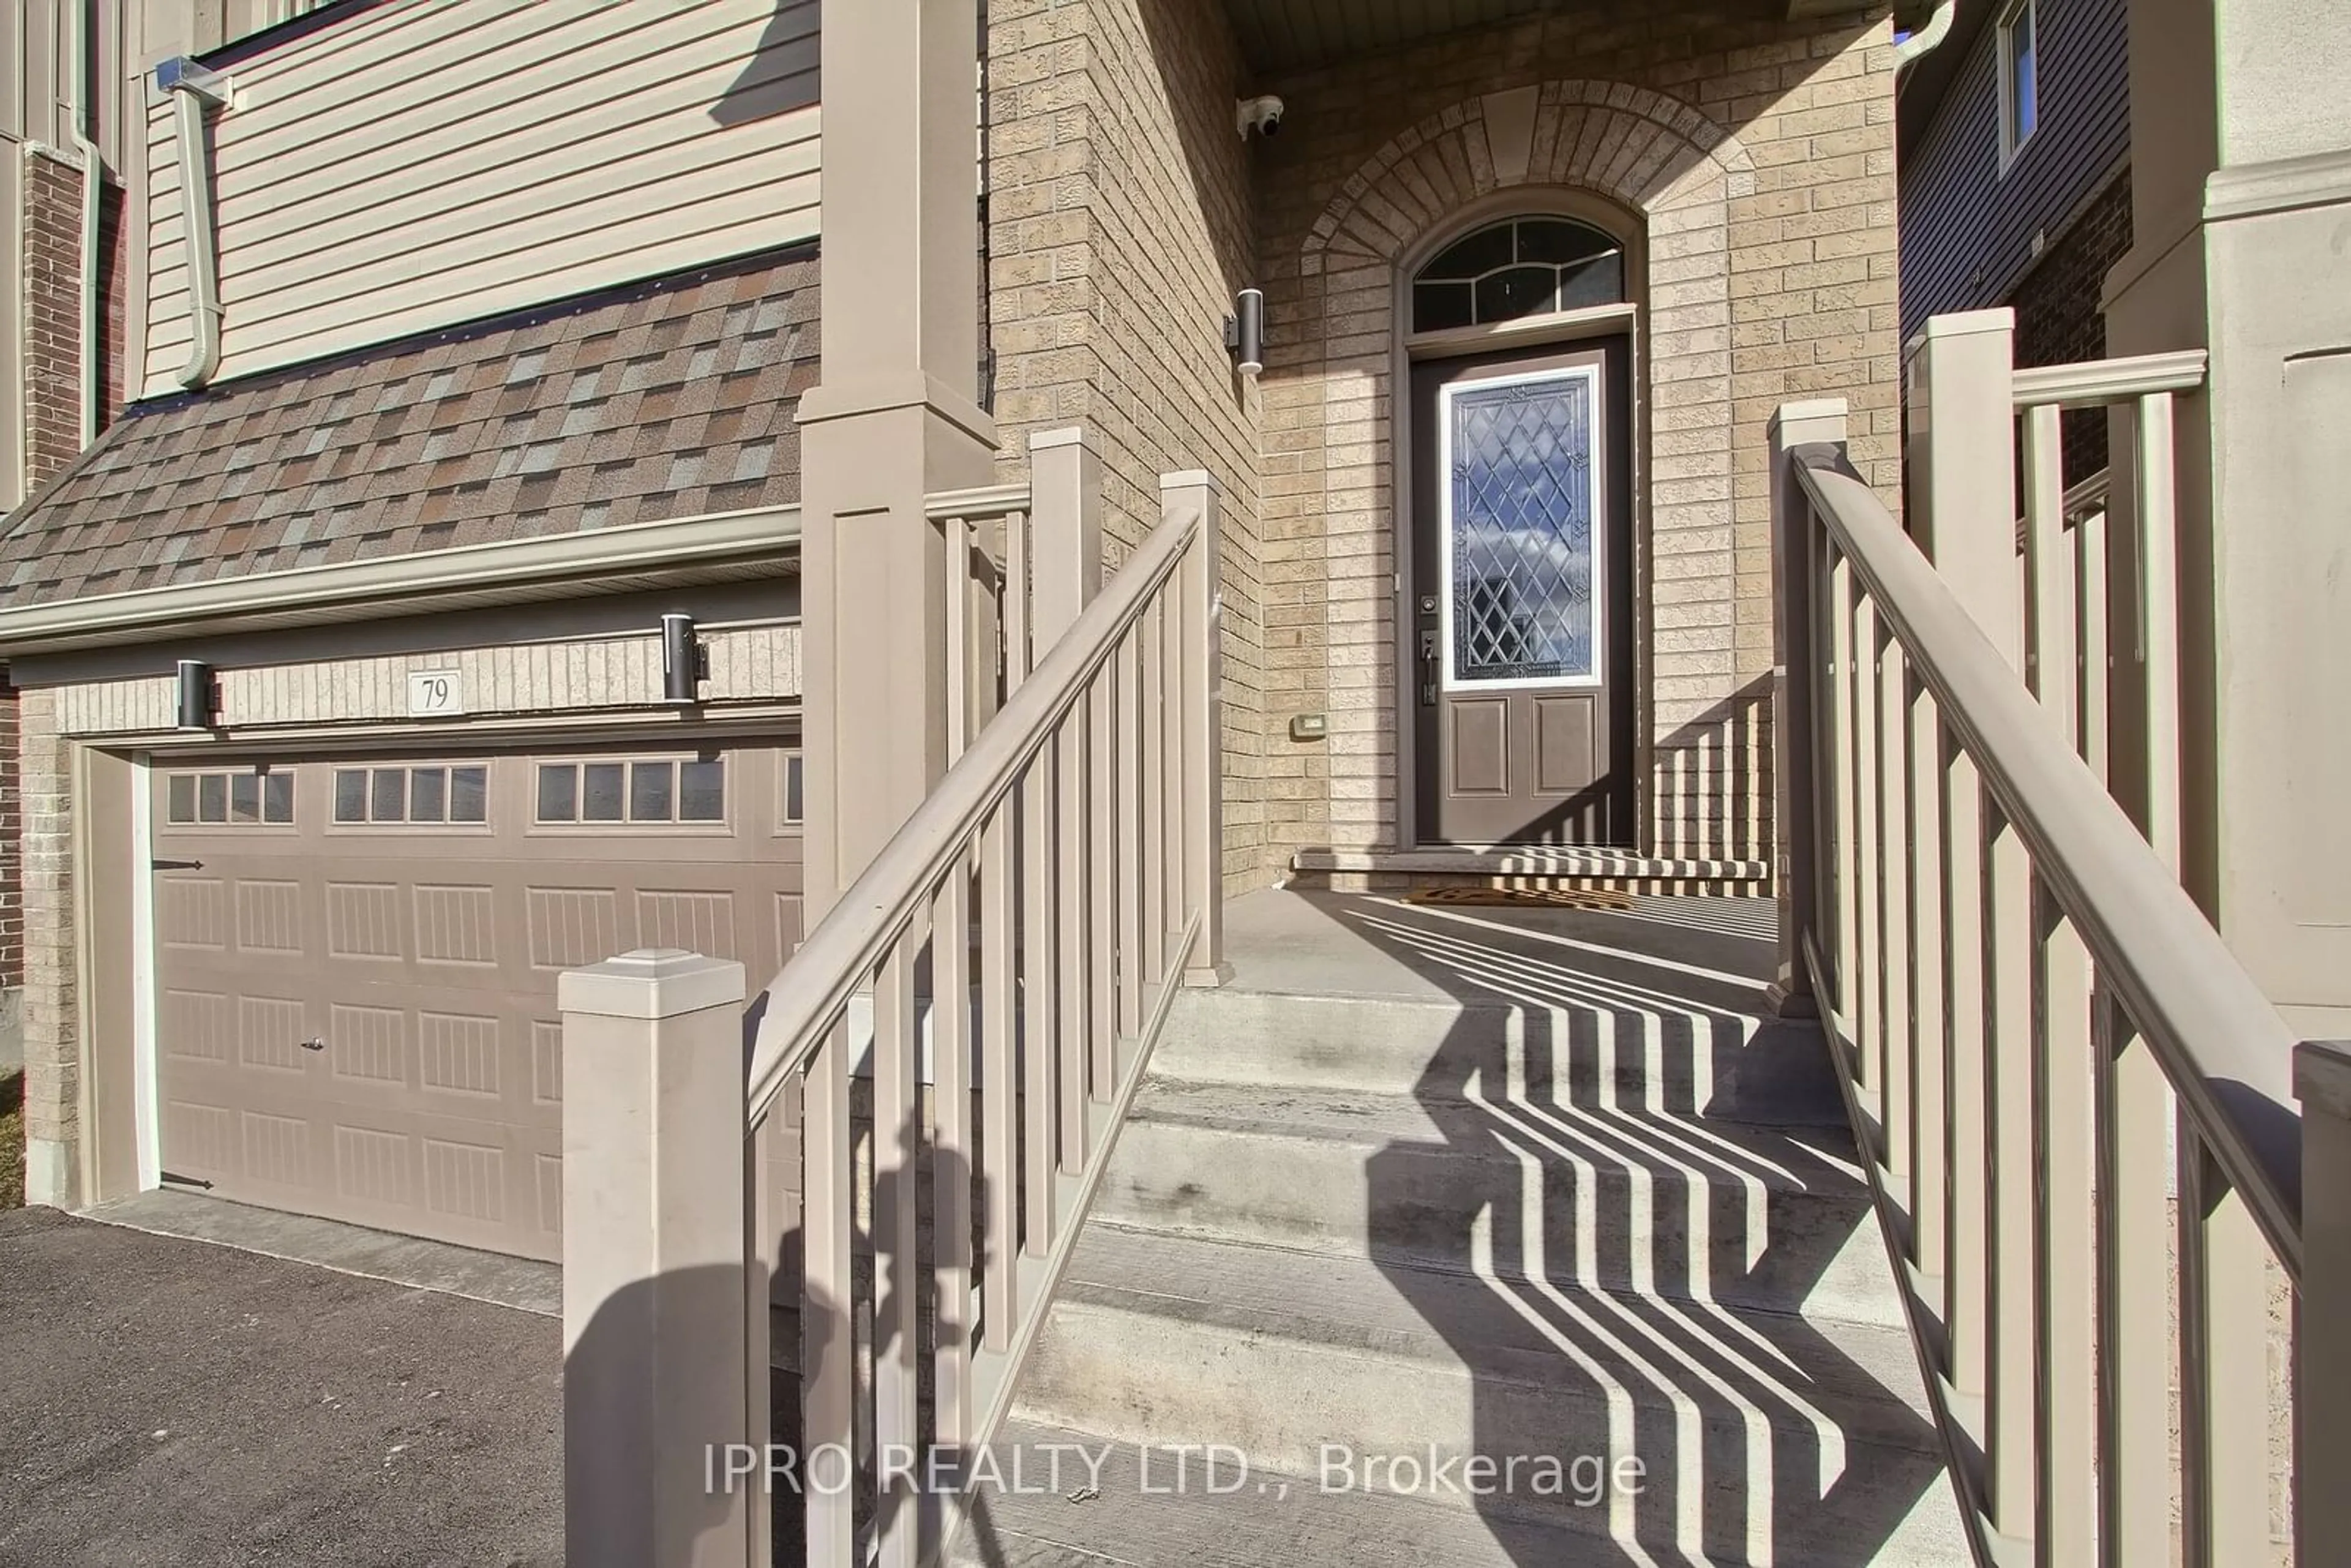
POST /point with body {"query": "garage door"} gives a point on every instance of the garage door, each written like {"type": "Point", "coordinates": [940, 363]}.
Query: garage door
{"type": "Point", "coordinates": [356, 965]}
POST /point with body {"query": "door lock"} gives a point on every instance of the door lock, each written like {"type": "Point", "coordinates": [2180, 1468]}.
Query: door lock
{"type": "Point", "coordinates": [1428, 632]}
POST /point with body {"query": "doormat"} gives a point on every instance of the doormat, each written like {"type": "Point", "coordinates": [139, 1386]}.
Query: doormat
{"type": "Point", "coordinates": [1524, 897]}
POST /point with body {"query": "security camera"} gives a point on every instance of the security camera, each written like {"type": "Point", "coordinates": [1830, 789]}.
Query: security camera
{"type": "Point", "coordinates": [1262, 115]}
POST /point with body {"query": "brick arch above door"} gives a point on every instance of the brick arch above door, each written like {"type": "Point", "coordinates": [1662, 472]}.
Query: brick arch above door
{"type": "Point", "coordinates": [1680, 173]}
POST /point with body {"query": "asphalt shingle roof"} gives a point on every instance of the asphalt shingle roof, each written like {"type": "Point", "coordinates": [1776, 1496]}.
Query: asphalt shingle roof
{"type": "Point", "coordinates": [667, 399]}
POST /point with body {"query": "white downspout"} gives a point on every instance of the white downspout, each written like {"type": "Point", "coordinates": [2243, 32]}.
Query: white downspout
{"type": "Point", "coordinates": [195, 90]}
{"type": "Point", "coordinates": [1920, 44]}
{"type": "Point", "coordinates": [83, 108]}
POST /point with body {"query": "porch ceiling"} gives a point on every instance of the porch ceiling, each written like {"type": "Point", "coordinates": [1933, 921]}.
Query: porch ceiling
{"type": "Point", "coordinates": [1294, 35]}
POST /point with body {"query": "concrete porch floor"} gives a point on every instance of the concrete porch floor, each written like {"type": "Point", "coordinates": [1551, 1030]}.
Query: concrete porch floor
{"type": "Point", "coordinates": [177, 1403]}
{"type": "Point", "coordinates": [1346, 944]}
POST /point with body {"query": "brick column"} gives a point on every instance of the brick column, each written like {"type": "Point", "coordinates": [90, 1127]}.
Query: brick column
{"type": "Point", "coordinates": [52, 1045]}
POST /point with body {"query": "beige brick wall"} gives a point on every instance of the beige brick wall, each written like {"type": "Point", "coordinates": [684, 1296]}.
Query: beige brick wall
{"type": "Point", "coordinates": [1760, 157]}
{"type": "Point", "coordinates": [1120, 229]}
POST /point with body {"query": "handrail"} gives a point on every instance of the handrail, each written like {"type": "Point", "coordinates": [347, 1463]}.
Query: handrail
{"type": "Point", "coordinates": [2097, 381]}
{"type": "Point", "coordinates": [816, 982]}
{"type": "Point", "coordinates": [983, 501]}
{"type": "Point", "coordinates": [2226, 1052]}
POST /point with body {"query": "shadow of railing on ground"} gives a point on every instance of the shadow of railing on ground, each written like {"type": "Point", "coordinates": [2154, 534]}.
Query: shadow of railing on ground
{"type": "Point", "coordinates": [1655, 1183]}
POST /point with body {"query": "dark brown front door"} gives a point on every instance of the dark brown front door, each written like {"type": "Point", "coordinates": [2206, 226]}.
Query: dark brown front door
{"type": "Point", "coordinates": [1521, 595]}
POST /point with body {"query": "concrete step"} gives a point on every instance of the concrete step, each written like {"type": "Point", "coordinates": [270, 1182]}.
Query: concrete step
{"type": "Point", "coordinates": [1138, 1518]}
{"type": "Point", "coordinates": [1769, 1219]}
{"type": "Point", "coordinates": [1681, 1060]}
{"type": "Point", "coordinates": [1808, 1438]}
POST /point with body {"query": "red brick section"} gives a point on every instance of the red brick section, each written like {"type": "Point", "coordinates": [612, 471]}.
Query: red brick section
{"type": "Point", "coordinates": [2058, 321]}
{"type": "Point", "coordinates": [52, 317]}
{"type": "Point", "coordinates": [52, 437]}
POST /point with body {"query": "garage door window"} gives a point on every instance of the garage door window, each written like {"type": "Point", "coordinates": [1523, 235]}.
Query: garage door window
{"type": "Point", "coordinates": [429, 796]}
{"type": "Point", "coordinates": [229, 798]}
{"type": "Point", "coordinates": [795, 812]}
{"type": "Point", "coordinates": [642, 791]}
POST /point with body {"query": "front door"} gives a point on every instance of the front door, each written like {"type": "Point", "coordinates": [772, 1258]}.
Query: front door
{"type": "Point", "coordinates": [1521, 597]}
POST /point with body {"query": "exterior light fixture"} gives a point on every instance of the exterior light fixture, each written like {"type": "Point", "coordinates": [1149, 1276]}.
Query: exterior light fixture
{"type": "Point", "coordinates": [199, 699]}
{"type": "Point", "coordinates": [1245, 332]}
{"type": "Point", "coordinates": [685, 662]}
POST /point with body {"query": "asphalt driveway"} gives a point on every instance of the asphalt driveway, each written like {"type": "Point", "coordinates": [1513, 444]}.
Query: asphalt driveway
{"type": "Point", "coordinates": [182, 1405]}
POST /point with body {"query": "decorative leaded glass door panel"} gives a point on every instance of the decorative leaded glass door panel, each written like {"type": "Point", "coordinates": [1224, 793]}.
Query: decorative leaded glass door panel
{"type": "Point", "coordinates": [1521, 594]}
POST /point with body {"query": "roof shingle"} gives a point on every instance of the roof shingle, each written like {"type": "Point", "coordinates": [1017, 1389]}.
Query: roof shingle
{"type": "Point", "coordinates": [661, 399]}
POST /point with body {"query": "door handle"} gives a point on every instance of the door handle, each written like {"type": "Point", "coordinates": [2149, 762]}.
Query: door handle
{"type": "Point", "coordinates": [314, 1045]}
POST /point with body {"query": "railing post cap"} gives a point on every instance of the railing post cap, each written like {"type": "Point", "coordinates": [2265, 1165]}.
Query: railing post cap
{"type": "Point", "coordinates": [1067, 436]}
{"type": "Point", "coordinates": [650, 983]}
{"type": "Point", "coordinates": [2322, 1076]}
{"type": "Point", "coordinates": [1805, 410]}
{"type": "Point", "coordinates": [1190, 479]}
{"type": "Point", "coordinates": [1961, 324]}
{"type": "Point", "coordinates": [1965, 323]}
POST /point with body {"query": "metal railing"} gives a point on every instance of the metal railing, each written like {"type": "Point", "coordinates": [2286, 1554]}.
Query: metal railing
{"type": "Point", "coordinates": [1015, 948]}
{"type": "Point", "coordinates": [2072, 1099]}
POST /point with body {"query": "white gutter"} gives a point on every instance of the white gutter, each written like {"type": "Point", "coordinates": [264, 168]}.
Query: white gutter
{"type": "Point", "coordinates": [83, 108]}
{"type": "Point", "coordinates": [1923, 42]}
{"type": "Point", "coordinates": [195, 90]}
{"type": "Point", "coordinates": [399, 585]}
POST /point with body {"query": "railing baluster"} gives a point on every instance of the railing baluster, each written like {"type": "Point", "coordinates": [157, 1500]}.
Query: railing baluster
{"type": "Point", "coordinates": [1102, 891]}
{"type": "Point", "coordinates": [897, 1318]}
{"type": "Point", "coordinates": [1201, 662]}
{"type": "Point", "coordinates": [1072, 925]}
{"type": "Point", "coordinates": [2065, 1239]}
{"type": "Point", "coordinates": [2134, 1112]}
{"type": "Point", "coordinates": [1172, 870]}
{"type": "Point", "coordinates": [1848, 789]}
{"type": "Point", "coordinates": [999, 1104]}
{"type": "Point", "coordinates": [1897, 1040]}
{"type": "Point", "coordinates": [1129, 794]}
{"type": "Point", "coordinates": [1967, 1269]}
{"type": "Point", "coordinates": [951, 1152]}
{"type": "Point", "coordinates": [2159, 621]}
{"type": "Point", "coordinates": [2009, 1050]}
{"type": "Point", "coordinates": [959, 635]}
{"type": "Point", "coordinates": [1019, 658]}
{"type": "Point", "coordinates": [1869, 977]}
{"type": "Point", "coordinates": [1041, 1066]}
{"type": "Point", "coordinates": [2096, 652]}
{"type": "Point", "coordinates": [2224, 1374]}
{"type": "Point", "coordinates": [828, 1296]}
{"type": "Point", "coordinates": [2051, 595]}
{"type": "Point", "coordinates": [1151, 689]}
{"type": "Point", "coordinates": [1922, 765]}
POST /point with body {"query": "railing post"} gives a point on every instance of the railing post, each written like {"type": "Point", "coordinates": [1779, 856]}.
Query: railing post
{"type": "Point", "coordinates": [1961, 454]}
{"type": "Point", "coordinates": [1198, 652]}
{"type": "Point", "coordinates": [1794, 424]}
{"type": "Point", "coordinates": [2323, 1326]}
{"type": "Point", "coordinates": [656, 1372]}
{"type": "Point", "coordinates": [1065, 511]}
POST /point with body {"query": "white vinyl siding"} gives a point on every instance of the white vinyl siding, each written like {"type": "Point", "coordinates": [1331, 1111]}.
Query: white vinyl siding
{"type": "Point", "coordinates": [425, 163]}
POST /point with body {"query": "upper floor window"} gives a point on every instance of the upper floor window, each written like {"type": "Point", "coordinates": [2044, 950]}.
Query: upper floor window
{"type": "Point", "coordinates": [2020, 78]}
{"type": "Point", "coordinates": [1519, 268]}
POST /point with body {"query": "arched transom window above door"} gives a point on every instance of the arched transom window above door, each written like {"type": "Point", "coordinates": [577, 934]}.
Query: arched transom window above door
{"type": "Point", "coordinates": [1515, 268]}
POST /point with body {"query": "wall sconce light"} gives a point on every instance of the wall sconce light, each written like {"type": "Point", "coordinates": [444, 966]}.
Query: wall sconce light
{"type": "Point", "coordinates": [1245, 332]}
{"type": "Point", "coordinates": [199, 698]}
{"type": "Point", "coordinates": [685, 662]}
